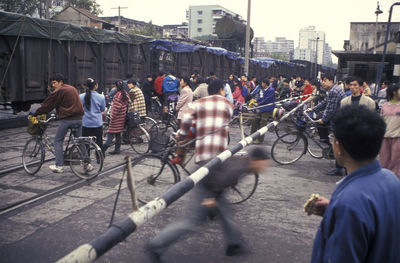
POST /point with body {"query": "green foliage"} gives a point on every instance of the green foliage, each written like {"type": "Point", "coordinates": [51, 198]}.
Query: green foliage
{"type": "Point", "coordinates": [90, 5]}
{"type": "Point", "coordinates": [148, 30]}
{"type": "Point", "coordinates": [25, 7]}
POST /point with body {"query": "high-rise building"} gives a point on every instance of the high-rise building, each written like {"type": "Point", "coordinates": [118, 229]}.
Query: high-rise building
{"type": "Point", "coordinates": [202, 19]}
{"type": "Point", "coordinates": [281, 47]}
{"type": "Point", "coordinates": [312, 45]}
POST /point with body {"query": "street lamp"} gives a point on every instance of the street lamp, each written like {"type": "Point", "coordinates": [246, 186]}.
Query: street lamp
{"type": "Point", "coordinates": [316, 57]}
{"type": "Point", "coordinates": [377, 13]}
{"type": "Point", "coordinates": [382, 64]}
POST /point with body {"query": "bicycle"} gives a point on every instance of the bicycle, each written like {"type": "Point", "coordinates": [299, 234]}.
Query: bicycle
{"type": "Point", "coordinates": [290, 147]}
{"type": "Point", "coordinates": [156, 108]}
{"type": "Point", "coordinates": [156, 174]}
{"type": "Point", "coordinates": [138, 136]}
{"type": "Point", "coordinates": [83, 155]}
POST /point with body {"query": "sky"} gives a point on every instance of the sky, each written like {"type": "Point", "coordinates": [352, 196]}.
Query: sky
{"type": "Point", "coordinates": [269, 19]}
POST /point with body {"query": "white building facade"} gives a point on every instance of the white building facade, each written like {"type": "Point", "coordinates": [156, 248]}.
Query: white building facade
{"type": "Point", "coordinates": [202, 19]}
{"type": "Point", "coordinates": [313, 47]}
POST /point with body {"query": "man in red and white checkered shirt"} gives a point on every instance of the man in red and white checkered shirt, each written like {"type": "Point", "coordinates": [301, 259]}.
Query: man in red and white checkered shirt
{"type": "Point", "coordinates": [211, 115]}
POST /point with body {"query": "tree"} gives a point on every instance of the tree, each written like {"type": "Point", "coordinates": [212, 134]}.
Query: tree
{"type": "Point", "coordinates": [148, 30]}
{"type": "Point", "coordinates": [90, 5]}
{"type": "Point", "coordinates": [25, 7]}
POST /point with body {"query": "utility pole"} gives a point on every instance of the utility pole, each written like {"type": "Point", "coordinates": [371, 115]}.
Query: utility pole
{"type": "Point", "coordinates": [119, 16]}
{"type": "Point", "coordinates": [46, 9]}
{"type": "Point", "coordinates": [316, 57]}
{"type": "Point", "coordinates": [247, 44]}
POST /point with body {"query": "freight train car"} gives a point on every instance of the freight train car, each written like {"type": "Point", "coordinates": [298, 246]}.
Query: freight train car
{"type": "Point", "coordinates": [33, 49]}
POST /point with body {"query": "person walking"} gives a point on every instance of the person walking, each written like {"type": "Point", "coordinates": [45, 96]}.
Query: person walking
{"type": "Point", "coordinates": [94, 104]}
{"type": "Point", "coordinates": [117, 118]}
{"type": "Point", "coordinates": [361, 220]}
{"type": "Point", "coordinates": [210, 115]}
{"type": "Point", "coordinates": [390, 151]}
{"type": "Point", "coordinates": [65, 99]}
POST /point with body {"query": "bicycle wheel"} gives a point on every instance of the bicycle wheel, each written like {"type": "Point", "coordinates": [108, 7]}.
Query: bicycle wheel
{"type": "Point", "coordinates": [155, 109]}
{"type": "Point", "coordinates": [314, 147]}
{"type": "Point", "coordinates": [85, 159]}
{"type": "Point", "coordinates": [243, 190]}
{"type": "Point", "coordinates": [139, 139]}
{"type": "Point", "coordinates": [289, 148]}
{"type": "Point", "coordinates": [148, 122]}
{"type": "Point", "coordinates": [160, 134]}
{"type": "Point", "coordinates": [105, 130]}
{"type": "Point", "coordinates": [33, 156]}
{"type": "Point", "coordinates": [153, 176]}
{"type": "Point", "coordinates": [285, 127]}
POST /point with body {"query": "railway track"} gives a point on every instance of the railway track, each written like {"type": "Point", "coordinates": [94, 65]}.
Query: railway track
{"type": "Point", "coordinates": [57, 191]}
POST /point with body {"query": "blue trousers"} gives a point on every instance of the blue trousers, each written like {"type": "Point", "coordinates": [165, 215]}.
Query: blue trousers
{"type": "Point", "coordinates": [60, 135]}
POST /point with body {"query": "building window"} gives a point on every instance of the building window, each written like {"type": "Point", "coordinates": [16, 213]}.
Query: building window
{"type": "Point", "coordinates": [199, 21]}
{"type": "Point", "coordinates": [199, 29]}
{"type": "Point", "coordinates": [200, 12]}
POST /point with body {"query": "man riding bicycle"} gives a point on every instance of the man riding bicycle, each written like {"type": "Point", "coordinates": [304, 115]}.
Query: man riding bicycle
{"type": "Point", "coordinates": [65, 99]}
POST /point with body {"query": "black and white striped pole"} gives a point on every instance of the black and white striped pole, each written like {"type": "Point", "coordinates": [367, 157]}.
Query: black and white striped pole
{"type": "Point", "coordinates": [118, 232]}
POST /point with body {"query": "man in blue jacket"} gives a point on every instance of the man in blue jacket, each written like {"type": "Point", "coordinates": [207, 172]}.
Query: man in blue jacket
{"type": "Point", "coordinates": [267, 96]}
{"type": "Point", "coordinates": [170, 88]}
{"type": "Point", "coordinates": [361, 221]}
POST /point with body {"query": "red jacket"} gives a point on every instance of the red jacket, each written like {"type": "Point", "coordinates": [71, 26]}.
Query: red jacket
{"type": "Point", "coordinates": [307, 90]}
{"type": "Point", "coordinates": [158, 84]}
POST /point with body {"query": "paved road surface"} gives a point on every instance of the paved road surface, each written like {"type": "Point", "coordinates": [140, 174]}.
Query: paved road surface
{"type": "Point", "coordinates": [272, 221]}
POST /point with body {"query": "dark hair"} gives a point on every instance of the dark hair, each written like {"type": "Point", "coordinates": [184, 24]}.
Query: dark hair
{"type": "Point", "coordinates": [348, 80]}
{"type": "Point", "coordinates": [131, 81]}
{"type": "Point", "coordinates": [58, 77]}
{"type": "Point", "coordinates": [212, 73]}
{"type": "Point", "coordinates": [286, 80]}
{"type": "Point", "coordinates": [360, 131]}
{"type": "Point", "coordinates": [315, 82]}
{"type": "Point", "coordinates": [387, 83]}
{"type": "Point", "coordinates": [199, 79]}
{"type": "Point", "coordinates": [266, 81]}
{"type": "Point", "coordinates": [329, 77]}
{"type": "Point", "coordinates": [186, 80]}
{"type": "Point", "coordinates": [258, 153]}
{"type": "Point", "coordinates": [390, 90]}
{"type": "Point", "coordinates": [215, 86]}
{"type": "Point", "coordinates": [359, 81]}
{"type": "Point", "coordinates": [90, 83]}
{"type": "Point", "coordinates": [120, 87]}
{"type": "Point", "coordinates": [128, 75]}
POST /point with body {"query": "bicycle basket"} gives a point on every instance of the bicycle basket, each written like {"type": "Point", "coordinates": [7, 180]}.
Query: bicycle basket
{"type": "Point", "coordinates": [34, 126]}
{"type": "Point", "coordinates": [159, 137]}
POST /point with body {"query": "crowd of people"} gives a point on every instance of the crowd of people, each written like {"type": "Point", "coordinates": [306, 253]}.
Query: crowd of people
{"type": "Point", "coordinates": [361, 221]}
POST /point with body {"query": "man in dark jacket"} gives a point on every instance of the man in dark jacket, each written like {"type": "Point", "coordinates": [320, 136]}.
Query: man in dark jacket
{"type": "Point", "coordinates": [148, 92]}
{"type": "Point", "coordinates": [267, 96]}
{"type": "Point", "coordinates": [65, 99]}
{"type": "Point", "coordinates": [208, 197]}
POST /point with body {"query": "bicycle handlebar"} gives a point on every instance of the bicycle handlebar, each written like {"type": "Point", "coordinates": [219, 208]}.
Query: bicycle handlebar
{"type": "Point", "coordinates": [52, 117]}
{"type": "Point", "coordinates": [308, 117]}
